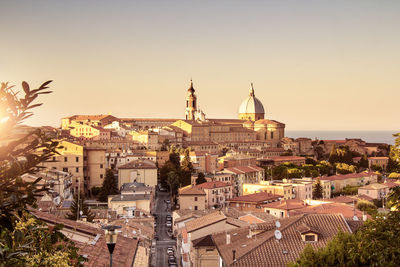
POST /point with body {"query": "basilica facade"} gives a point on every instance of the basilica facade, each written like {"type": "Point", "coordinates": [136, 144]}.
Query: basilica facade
{"type": "Point", "coordinates": [251, 125]}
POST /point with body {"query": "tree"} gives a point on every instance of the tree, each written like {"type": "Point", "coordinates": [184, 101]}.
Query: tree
{"type": "Point", "coordinates": [318, 191]}
{"type": "Point", "coordinates": [333, 156]}
{"type": "Point", "coordinates": [366, 206]}
{"type": "Point", "coordinates": [186, 169]}
{"type": "Point", "coordinates": [173, 183]}
{"type": "Point", "coordinates": [395, 150]}
{"type": "Point", "coordinates": [109, 186]}
{"type": "Point", "coordinates": [363, 163]}
{"type": "Point", "coordinates": [376, 168]}
{"type": "Point", "coordinates": [343, 168]}
{"type": "Point", "coordinates": [174, 158]}
{"type": "Point", "coordinates": [19, 230]}
{"type": "Point", "coordinates": [201, 178]}
{"type": "Point", "coordinates": [81, 208]}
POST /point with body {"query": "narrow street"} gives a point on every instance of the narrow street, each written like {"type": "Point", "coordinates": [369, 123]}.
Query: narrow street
{"type": "Point", "coordinates": [164, 240]}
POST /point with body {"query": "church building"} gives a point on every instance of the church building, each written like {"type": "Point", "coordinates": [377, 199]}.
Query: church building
{"type": "Point", "coordinates": [250, 126]}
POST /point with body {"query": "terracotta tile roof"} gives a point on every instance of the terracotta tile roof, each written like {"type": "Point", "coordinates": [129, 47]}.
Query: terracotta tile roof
{"type": "Point", "coordinates": [269, 122]}
{"type": "Point", "coordinates": [289, 204]}
{"type": "Point", "coordinates": [256, 197]}
{"type": "Point", "coordinates": [205, 221]}
{"type": "Point", "coordinates": [374, 186]}
{"type": "Point", "coordinates": [96, 251]}
{"type": "Point", "coordinates": [343, 199]}
{"type": "Point", "coordinates": [391, 184]}
{"type": "Point", "coordinates": [130, 197]}
{"type": "Point", "coordinates": [139, 164]}
{"type": "Point", "coordinates": [88, 117]}
{"type": "Point", "coordinates": [191, 190]}
{"type": "Point", "coordinates": [364, 197]}
{"type": "Point", "coordinates": [263, 249]}
{"type": "Point", "coordinates": [378, 158]}
{"type": "Point", "coordinates": [236, 222]}
{"type": "Point", "coordinates": [244, 169]}
{"type": "Point", "coordinates": [285, 158]}
{"type": "Point", "coordinates": [235, 213]}
{"type": "Point", "coordinates": [330, 208]}
{"type": "Point", "coordinates": [211, 185]}
{"type": "Point", "coordinates": [347, 176]}
{"type": "Point", "coordinates": [205, 241]}
{"type": "Point", "coordinates": [251, 219]}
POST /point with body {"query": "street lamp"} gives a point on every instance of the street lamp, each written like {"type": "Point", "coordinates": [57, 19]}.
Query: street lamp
{"type": "Point", "coordinates": [111, 238]}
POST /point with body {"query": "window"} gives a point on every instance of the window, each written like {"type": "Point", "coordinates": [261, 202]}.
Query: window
{"type": "Point", "coordinates": [77, 169]}
{"type": "Point", "coordinates": [65, 159]}
{"type": "Point", "coordinates": [101, 166]}
{"type": "Point", "coordinates": [54, 158]}
{"type": "Point", "coordinates": [101, 176]}
{"type": "Point", "coordinates": [195, 207]}
{"type": "Point", "coordinates": [65, 169]}
{"type": "Point", "coordinates": [77, 159]}
{"type": "Point", "coordinates": [310, 238]}
{"type": "Point", "coordinates": [195, 198]}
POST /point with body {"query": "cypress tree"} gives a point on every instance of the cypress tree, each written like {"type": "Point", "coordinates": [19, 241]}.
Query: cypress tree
{"type": "Point", "coordinates": [318, 191]}
{"type": "Point", "coordinates": [109, 187]}
{"type": "Point", "coordinates": [83, 207]}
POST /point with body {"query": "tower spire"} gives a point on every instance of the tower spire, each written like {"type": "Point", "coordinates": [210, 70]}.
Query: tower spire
{"type": "Point", "coordinates": [252, 90]}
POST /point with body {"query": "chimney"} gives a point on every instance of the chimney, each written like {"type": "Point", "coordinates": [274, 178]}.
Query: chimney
{"type": "Point", "coordinates": [228, 239]}
{"type": "Point", "coordinates": [234, 255]}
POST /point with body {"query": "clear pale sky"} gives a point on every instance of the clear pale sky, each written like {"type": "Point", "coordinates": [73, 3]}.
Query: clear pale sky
{"type": "Point", "coordinates": [316, 65]}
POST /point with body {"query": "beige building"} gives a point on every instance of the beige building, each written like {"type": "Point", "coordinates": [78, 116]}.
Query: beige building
{"type": "Point", "coordinates": [283, 189]}
{"type": "Point", "coordinates": [245, 175]}
{"type": "Point", "coordinates": [141, 171]}
{"type": "Point", "coordinates": [338, 182]}
{"type": "Point", "coordinates": [379, 161]}
{"type": "Point", "coordinates": [86, 164]}
{"type": "Point", "coordinates": [205, 253]}
{"type": "Point", "coordinates": [148, 139]}
{"type": "Point", "coordinates": [217, 193]}
{"type": "Point", "coordinates": [203, 161]}
{"type": "Point", "coordinates": [192, 198]}
{"type": "Point", "coordinates": [281, 209]}
{"type": "Point", "coordinates": [127, 204]}
{"type": "Point", "coordinates": [374, 191]}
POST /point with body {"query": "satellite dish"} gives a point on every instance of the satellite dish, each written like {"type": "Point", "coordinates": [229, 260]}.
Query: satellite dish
{"type": "Point", "coordinates": [277, 224]}
{"type": "Point", "coordinates": [278, 234]}
{"type": "Point", "coordinates": [355, 218]}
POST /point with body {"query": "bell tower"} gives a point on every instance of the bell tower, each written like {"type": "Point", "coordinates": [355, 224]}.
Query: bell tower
{"type": "Point", "coordinates": [191, 103]}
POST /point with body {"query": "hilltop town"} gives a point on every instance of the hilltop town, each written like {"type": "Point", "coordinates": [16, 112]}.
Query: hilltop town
{"type": "Point", "coordinates": [205, 192]}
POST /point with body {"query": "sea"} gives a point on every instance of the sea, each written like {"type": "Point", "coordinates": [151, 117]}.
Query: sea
{"type": "Point", "coordinates": [368, 136]}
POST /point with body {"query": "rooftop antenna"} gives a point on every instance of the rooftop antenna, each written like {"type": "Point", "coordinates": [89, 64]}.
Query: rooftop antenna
{"type": "Point", "coordinates": [278, 234]}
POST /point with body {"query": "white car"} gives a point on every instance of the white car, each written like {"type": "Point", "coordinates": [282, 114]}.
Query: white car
{"type": "Point", "coordinates": [168, 224]}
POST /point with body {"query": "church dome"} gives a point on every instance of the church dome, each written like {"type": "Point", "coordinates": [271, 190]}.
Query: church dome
{"type": "Point", "coordinates": [251, 105]}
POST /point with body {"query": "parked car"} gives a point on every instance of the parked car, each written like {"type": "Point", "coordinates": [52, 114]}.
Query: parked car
{"type": "Point", "coordinates": [171, 261]}
{"type": "Point", "coordinates": [170, 251]}
{"type": "Point", "coordinates": [168, 201]}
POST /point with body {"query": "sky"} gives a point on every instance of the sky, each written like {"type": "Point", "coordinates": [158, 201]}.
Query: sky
{"type": "Point", "coordinates": [315, 65]}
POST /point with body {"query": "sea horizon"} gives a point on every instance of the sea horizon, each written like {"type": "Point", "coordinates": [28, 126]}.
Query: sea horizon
{"type": "Point", "coordinates": [368, 136]}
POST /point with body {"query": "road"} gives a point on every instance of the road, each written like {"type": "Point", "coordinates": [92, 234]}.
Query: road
{"type": "Point", "coordinates": [164, 240]}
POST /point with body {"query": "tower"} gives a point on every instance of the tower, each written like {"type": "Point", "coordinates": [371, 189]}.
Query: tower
{"type": "Point", "coordinates": [191, 103]}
